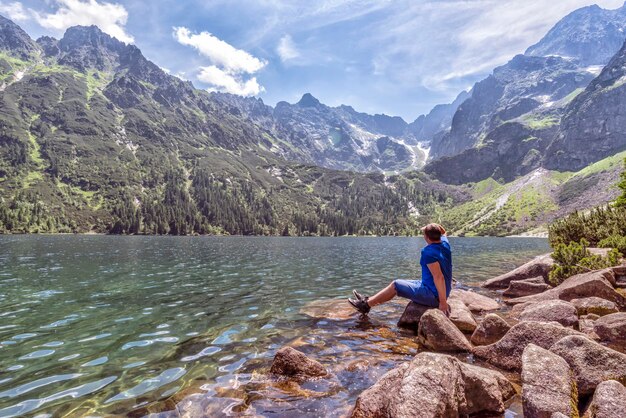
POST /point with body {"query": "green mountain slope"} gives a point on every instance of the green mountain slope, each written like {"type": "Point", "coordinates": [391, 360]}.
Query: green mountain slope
{"type": "Point", "coordinates": [97, 138]}
{"type": "Point", "coordinates": [530, 202]}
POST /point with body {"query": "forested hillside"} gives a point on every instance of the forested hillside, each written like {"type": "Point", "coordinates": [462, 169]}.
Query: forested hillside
{"type": "Point", "coordinates": [96, 138]}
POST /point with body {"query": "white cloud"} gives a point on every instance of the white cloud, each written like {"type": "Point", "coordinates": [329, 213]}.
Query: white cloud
{"type": "Point", "coordinates": [109, 17]}
{"type": "Point", "coordinates": [219, 52]}
{"type": "Point", "coordinates": [230, 65]}
{"type": "Point", "coordinates": [226, 82]}
{"type": "Point", "coordinates": [287, 49]}
{"type": "Point", "coordinates": [442, 44]}
{"type": "Point", "coordinates": [14, 10]}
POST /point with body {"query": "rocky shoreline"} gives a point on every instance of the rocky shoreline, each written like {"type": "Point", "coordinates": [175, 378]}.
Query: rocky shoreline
{"type": "Point", "coordinates": [517, 346]}
{"type": "Point", "coordinates": [564, 345]}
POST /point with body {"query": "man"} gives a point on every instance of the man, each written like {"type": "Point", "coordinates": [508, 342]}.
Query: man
{"type": "Point", "coordinates": [434, 288]}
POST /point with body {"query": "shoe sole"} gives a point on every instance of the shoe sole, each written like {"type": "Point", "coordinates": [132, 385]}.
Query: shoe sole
{"type": "Point", "coordinates": [353, 303]}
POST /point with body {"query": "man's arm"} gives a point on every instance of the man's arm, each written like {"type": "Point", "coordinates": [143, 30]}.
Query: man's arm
{"type": "Point", "coordinates": [440, 284]}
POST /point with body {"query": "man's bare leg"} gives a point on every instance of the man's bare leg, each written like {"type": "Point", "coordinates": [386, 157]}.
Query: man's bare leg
{"type": "Point", "coordinates": [383, 296]}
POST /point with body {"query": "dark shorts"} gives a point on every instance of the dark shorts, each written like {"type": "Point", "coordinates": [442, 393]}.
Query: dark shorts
{"type": "Point", "coordinates": [413, 290]}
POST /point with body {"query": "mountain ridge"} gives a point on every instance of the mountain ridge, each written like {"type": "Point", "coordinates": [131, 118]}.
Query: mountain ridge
{"type": "Point", "coordinates": [98, 138]}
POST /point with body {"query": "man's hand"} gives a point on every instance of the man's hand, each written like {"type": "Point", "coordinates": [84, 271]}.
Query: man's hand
{"type": "Point", "coordinates": [444, 307]}
{"type": "Point", "coordinates": [442, 229]}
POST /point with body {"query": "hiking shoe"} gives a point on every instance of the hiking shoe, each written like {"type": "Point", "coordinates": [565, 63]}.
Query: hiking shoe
{"type": "Point", "coordinates": [358, 296]}
{"type": "Point", "coordinates": [360, 305]}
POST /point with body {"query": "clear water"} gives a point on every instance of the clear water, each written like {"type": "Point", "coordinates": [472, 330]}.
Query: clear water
{"type": "Point", "coordinates": [96, 325]}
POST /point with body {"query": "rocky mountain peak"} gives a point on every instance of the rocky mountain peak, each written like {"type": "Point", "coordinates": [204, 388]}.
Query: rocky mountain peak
{"type": "Point", "coordinates": [13, 39]}
{"type": "Point", "coordinates": [49, 45]}
{"type": "Point", "coordinates": [590, 34]}
{"type": "Point", "coordinates": [85, 47]}
{"type": "Point", "coordinates": [79, 36]}
{"type": "Point", "coordinates": [308, 100]}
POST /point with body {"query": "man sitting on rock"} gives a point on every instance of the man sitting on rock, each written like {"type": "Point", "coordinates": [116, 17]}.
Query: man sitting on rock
{"type": "Point", "coordinates": [434, 288]}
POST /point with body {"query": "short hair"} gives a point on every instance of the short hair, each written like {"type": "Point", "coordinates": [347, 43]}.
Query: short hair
{"type": "Point", "coordinates": [432, 231]}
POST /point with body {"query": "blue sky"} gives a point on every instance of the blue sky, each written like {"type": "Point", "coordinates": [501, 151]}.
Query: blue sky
{"type": "Point", "coordinates": [398, 57]}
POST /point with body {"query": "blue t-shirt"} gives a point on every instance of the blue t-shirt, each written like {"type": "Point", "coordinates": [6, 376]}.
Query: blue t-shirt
{"type": "Point", "coordinates": [442, 253]}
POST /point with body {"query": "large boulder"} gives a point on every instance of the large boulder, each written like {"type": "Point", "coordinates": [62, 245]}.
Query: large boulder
{"type": "Point", "coordinates": [438, 333]}
{"type": "Point", "coordinates": [620, 276]}
{"type": "Point", "coordinates": [292, 363]}
{"type": "Point", "coordinates": [597, 283]}
{"type": "Point", "coordinates": [586, 325]}
{"type": "Point", "coordinates": [411, 316]}
{"type": "Point", "coordinates": [609, 401]}
{"type": "Point", "coordinates": [553, 310]}
{"type": "Point", "coordinates": [590, 362]}
{"type": "Point", "coordinates": [539, 266]}
{"type": "Point", "coordinates": [594, 305]}
{"type": "Point", "coordinates": [485, 389]}
{"type": "Point", "coordinates": [461, 316]}
{"type": "Point", "coordinates": [547, 384]}
{"type": "Point", "coordinates": [435, 385]}
{"type": "Point", "coordinates": [519, 288]}
{"type": "Point", "coordinates": [612, 330]}
{"type": "Point", "coordinates": [474, 301]}
{"type": "Point", "coordinates": [507, 352]}
{"type": "Point", "coordinates": [490, 330]}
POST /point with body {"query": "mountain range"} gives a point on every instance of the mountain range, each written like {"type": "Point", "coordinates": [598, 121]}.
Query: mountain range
{"type": "Point", "coordinates": [517, 118]}
{"type": "Point", "coordinates": [95, 137]}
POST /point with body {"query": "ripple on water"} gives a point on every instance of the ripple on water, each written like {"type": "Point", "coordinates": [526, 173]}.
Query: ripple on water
{"type": "Point", "coordinates": [133, 365]}
{"type": "Point", "coordinates": [61, 322]}
{"type": "Point", "coordinates": [30, 405]}
{"type": "Point", "coordinates": [95, 337]}
{"type": "Point", "coordinates": [24, 336]}
{"type": "Point", "coordinates": [37, 354]}
{"type": "Point", "coordinates": [70, 357]}
{"type": "Point", "coordinates": [47, 293]}
{"type": "Point", "coordinates": [35, 384]}
{"type": "Point", "coordinates": [144, 343]}
{"type": "Point", "coordinates": [154, 334]}
{"type": "Point", "coordinates": [53, 344]}
{"type": "Point", "coordinates": [232, 367]}
{"type": "Point", "coordinates": [148, 385]}
{"type": "Point", "coordinates": [128, 318]}
{"type": "Point", "coordinates": [208, 351]}
{"type": "Point", "coordinates": [225, 337]}
{"type": "Point", "coordinates": [96, 362]}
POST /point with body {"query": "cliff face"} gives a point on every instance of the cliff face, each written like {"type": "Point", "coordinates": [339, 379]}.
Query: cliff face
{"type": "Point", "coordinates": [522, 85]}
{"type": "Point", "coordinates": [14, 40]}
{"type": "Point", "coordinates": [594, 124]}
{"type": "Point", "coordinates": [438, 121]}
{"type": "Point", "coordinates": [535, 88]}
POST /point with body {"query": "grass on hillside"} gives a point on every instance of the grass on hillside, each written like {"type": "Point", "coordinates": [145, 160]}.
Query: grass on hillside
{"type": "Point", "coordinates": [9, 65]}
{"type": "Point", "coordinates": [567, 99]}
{"type": "Point", "coordinates": [618, 83]}
{"type": "Point", "coordinates": [504, 209]}
{"type": "Point", "coordinates": [534, 121]}
{"type": "Point", "coordinates": [607, 164]}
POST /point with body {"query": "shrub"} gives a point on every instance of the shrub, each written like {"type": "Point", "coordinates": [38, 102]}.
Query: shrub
{"type": "Point", "coordinates": [575, 258]}
{"type": "Point", "coordinates": [614, 241]}
{"type": "Point", "coordinates": [599, 224]}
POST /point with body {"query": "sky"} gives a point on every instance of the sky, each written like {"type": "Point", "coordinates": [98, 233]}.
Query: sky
{"type": "Point", "coordinates": [397, 57]}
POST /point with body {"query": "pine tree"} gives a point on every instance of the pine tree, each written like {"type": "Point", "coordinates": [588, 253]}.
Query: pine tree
{"type": "Point", "coordinates": [621, 200]}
